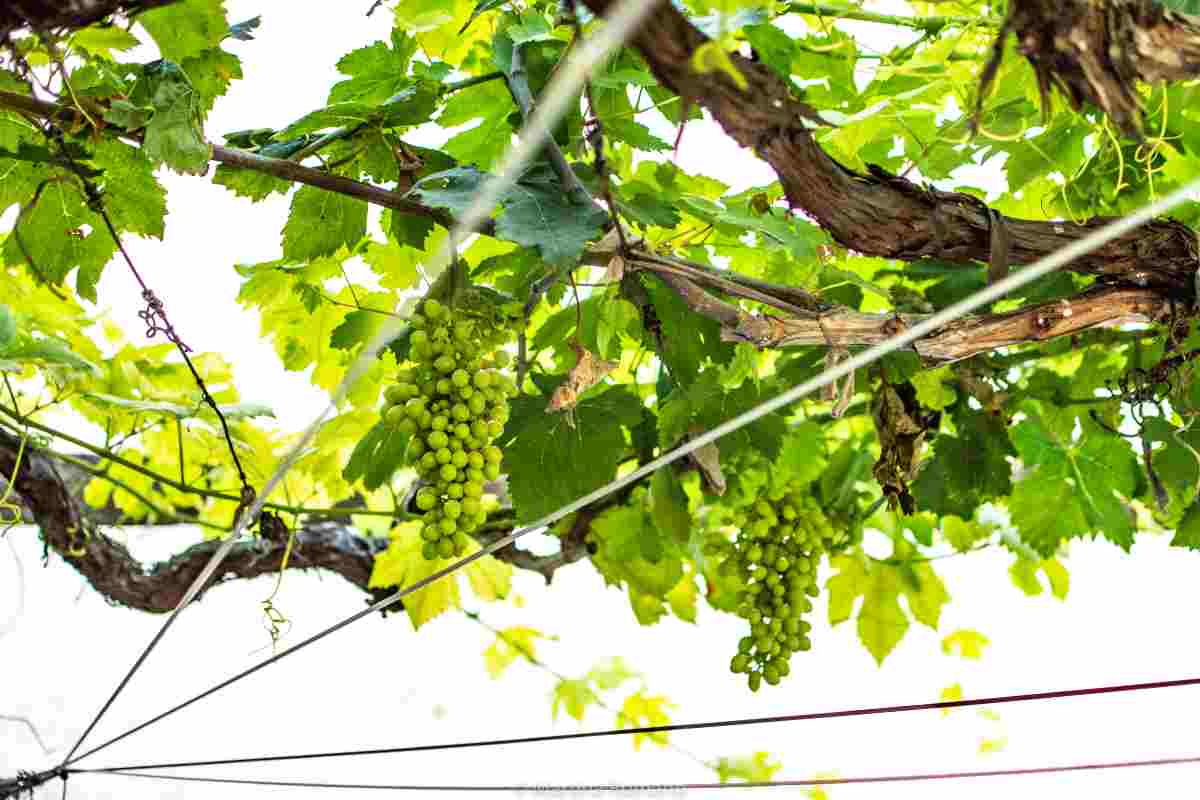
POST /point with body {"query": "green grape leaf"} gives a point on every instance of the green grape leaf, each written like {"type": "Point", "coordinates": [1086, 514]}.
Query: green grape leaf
{"type": "Point", "coordinates": [689, 340]}
{"type": "Point", "coordinates": [103, 41]}
{"type": "Point", "coordinates": [925, 593]}
{"type": "Point", "coordinates": [1024, 575]}
{"type": "Point", "coordinates": [965, 643]}
{"type": "Point", "coordinates": [511, 643]}
{"type": "Point", "coordinates": [537, 212]}
{"type": "Point", "coordinates": [634, 134]}
{"type": "Point", "coordinates": [932, 392]}
{"type": "Point", "coordinates": [412, 105]}
{"type": "Point", "coordinates": [248, 183]}
{"type": "Point", "coordinates": [54, 231]}
{"type": "Point", "coordinates": [210, 74]}
{"type": "Point", "coordinates": [550, 463]}
{"type": "Point", "coordinates": [403, 565]}
{"type": "Point", "coordinates": [1075, 490]}
{"type": "Point", "coordinates": [573, 695]}
{"type": "Point", "coordinates": [845, 587]}
{"type": "Point", "coordinates": [47, 352]}
{"type": "Point", "coordinates": [134, 200]}
{"type": "Point", "coordinates": [881, 621]}
{"type": "Point", "coordinates": [172, 134]}
{"type": "Point", "coordinates": [489, 578]}
{"type": "Point", "coordinates": [705, 404]}
{"type": "Point", "coordinates": [320, 222]}
{"type": "Point", "coordinates": [670, 506]}
{"type": "Point", "coordinates": [357, 328]}
{"type": "Point", "coordinates": [801, 456]}
{"type": "Point", "coordinates": [682, 599]}
{"type": "Point", "coordinates": [645, 711]}
{"type": "Point", "coordinates": [377, 456]}
{"type": "Point", "coordinates": [186, 28]}
{"type": "Point", "coordinates": [376, 72]}
{"type": "Point", "coordinates": [231, 411]}
{"type": "Point", "coordinates": [481, 7]}
{"type": "Point", "coordinates": [1187, 532]}
{"type": "Point", "coordinates": [967, 469]}
{"type": "Point", "coordinates": [757, 768]}
{"type": "Point", "coordinates": [8, 328]}
{"type": "Point", "coordinates": [610, 673]}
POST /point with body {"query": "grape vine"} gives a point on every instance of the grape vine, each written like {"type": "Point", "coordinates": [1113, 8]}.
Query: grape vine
{"type": "Point", "coordinates": [453, 403]}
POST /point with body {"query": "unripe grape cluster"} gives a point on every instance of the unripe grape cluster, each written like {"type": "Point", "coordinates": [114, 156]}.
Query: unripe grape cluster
{"type": "Point", "coordinates": [453, 402]}
{"type": "Point", "coordinates": [779, 546]}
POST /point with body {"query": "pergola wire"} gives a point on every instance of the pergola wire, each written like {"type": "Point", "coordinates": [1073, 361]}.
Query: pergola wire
{"type": "Point", "coordinates": [554, 103]}
{"type": "Point", "coordinates": [995, 291]}
{"type": "Point", "coordinates": [915, 777]}
{"type": "Point", "coordinates": [684, 726]}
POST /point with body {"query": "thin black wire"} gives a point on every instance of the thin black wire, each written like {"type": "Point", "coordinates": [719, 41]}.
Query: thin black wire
{"type": "Point", "coordinates": [386, 602]}
{"type": "Point", "coordinates": [658, 787]}
{"type": "Point", "coordinates": [684, 726]}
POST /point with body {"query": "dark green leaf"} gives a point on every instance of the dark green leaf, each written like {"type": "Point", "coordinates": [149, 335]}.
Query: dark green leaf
{"type": "Point", "coordinates": [377, 456]}
{"type": "Point", "coordinates": [670, 506]}
{"type": "Point", "coordinates": [320, 222]}
{"type": "Point", "coordinates": [968, 469]}
{"type": "Point", "coordinates": [186, 28]}
{"type": "Point", "coordinates": [550, 463]}
{"type": "Point", "coordinates": [8, 327]}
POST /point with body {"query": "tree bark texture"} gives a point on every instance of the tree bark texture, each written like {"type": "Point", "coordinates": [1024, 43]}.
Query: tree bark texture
{"type": "Point", "coordinates": [60, 15]}
{"type": "Point", "coordinates": [876, 213]}
{"type": "Point", "coordinates": [1096, 51]}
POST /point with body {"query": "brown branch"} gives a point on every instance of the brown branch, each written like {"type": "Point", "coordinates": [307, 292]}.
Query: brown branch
{"type": "Point", "coordinates": [1096, 51]}
{"type": "Point", "coordinates": [956, 341]}
{"type": "Point", "coordinates": [276, 167]}
{"type": "Point", "coordinates": [47, 15]}
{"type": "Point", "coordinates": [66, 527]}
{"type": "Point", "coordinates": [879, 214]}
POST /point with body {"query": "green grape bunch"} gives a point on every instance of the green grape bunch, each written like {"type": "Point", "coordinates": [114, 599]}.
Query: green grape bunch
{"type": "Point", "coordinates": [779, 546]}
{"type": "Point", "coordinates": [453, 403]}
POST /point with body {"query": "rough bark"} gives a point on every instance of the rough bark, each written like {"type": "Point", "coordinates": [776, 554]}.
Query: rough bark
{"type": "Point", "coordinates": [959, 340]}
{"type": "Point", "coordinates": [50, 493]}
{"type": "Point", "coordinates": [1096, 51]}
{"type": "Point", "coordinates": [879, 214]}
{"type": "Point", "coordinates": [60, 15]}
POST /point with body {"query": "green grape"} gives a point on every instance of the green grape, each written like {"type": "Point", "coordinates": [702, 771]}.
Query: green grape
{"type": "Point", "coordinates": [429, 551]}
{"type": "Point", "coordinates": [453, 408]}
{"type": "Point", "coordinates": [783, 535]}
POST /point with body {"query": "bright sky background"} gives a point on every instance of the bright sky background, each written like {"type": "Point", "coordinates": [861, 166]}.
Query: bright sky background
{"type": "Point", "coordinates": [377, 684]}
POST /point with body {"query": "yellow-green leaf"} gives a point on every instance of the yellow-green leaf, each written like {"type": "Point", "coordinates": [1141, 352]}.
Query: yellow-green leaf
{"type": "Point", "coordinates": [965, 643]}
{"type": "Point", "coordinates": [645, 711]}
{"type": "Point", "coordinates": [510, 644]}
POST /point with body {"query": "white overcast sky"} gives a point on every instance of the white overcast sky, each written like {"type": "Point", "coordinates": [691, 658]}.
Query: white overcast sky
{"type": "Point", "coordinates": [377, 684]}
